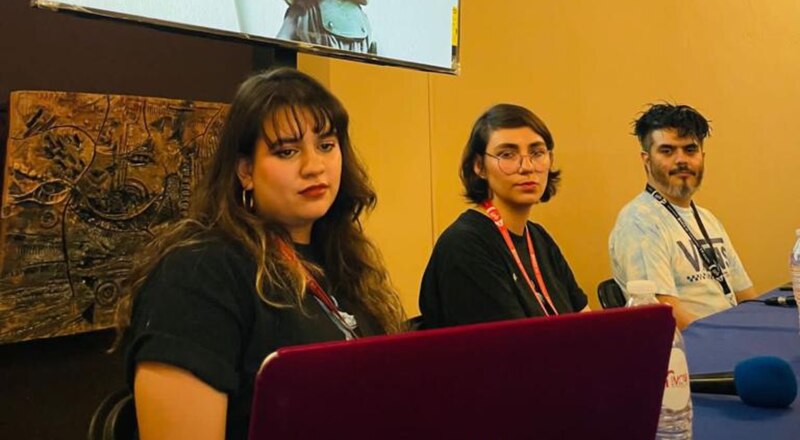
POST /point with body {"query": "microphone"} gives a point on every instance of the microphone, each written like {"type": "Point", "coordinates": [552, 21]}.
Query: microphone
{"type": "Point", "coordinates": [766, 381]}
{"type": "Point", "coordinates": [788, 300]}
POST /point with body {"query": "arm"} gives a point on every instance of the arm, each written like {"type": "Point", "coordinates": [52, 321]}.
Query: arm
{"type": "Point", "coordinates": [682, 317]}
{"type": "Point", "coordinates": [171, 403]}
{"type": "Point", "coordinates": [187, 318]}
{"type": "Point", "coordinates": [744, 295]}
{"type": "Point", "coordinates": [640, 250]}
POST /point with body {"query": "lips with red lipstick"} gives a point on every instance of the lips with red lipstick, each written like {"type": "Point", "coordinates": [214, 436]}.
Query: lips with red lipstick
{"type": "Point", "coordinates": [314, 191]}
{"type": "Point", "coordinates": [527, 186]}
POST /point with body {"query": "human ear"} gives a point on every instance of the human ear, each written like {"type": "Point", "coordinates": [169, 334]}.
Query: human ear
{"type": "Point", "coordinates": [646, 161]}
{"type": "Point", "coordinates": [478, 168]}
{"type": "Point", "coordinates": [244, 170]}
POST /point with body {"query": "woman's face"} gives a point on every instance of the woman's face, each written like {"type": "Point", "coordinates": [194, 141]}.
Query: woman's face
{"type": "Point", "coordinates": [516, 167]}
{"type": "Point", "coordinates": [294, 182]}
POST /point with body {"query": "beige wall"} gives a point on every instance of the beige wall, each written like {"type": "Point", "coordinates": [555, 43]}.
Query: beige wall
{"type": "Point", "coordinates": [587, 68]}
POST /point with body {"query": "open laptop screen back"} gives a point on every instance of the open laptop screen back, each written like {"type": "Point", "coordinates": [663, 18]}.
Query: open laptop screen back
{"type": "Point", "coordinates": [598, 375]}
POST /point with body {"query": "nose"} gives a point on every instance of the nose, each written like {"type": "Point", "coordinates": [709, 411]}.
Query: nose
{"type": "Point", "coordinates": [681, 156]}
{"type": "Point", "coordinates": [313, 162]}
{"type": "Point", "coordinates": [526, 163]}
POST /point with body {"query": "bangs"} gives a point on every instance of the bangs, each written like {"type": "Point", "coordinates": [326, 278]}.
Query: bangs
{"type": "Point", "coordinates": [289, 122]}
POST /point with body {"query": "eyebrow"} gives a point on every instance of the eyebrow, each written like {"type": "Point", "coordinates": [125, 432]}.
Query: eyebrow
{"type": "Point", "coordinates": [298, 137]}
{"type": "Point", "coordinates": [673, 146]}
{"type": "Point", "coordinates": [513, 145]}
{"type": "Point", "coordinates": [281, 141]}
{"type": "Point", "coordinates": [331, 131]}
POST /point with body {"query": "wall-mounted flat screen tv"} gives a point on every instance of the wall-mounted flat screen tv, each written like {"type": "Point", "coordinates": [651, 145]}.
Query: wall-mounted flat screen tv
{"type": "Point", "coordinates": [420, 34]}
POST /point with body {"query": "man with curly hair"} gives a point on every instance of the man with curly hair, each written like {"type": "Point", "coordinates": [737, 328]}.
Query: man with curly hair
{"type": "Point", "coordinates": [662, 236]}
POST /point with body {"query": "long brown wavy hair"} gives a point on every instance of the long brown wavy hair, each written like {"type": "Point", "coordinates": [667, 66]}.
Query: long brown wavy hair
{"type": "Point", "coordinates": [353, 265]}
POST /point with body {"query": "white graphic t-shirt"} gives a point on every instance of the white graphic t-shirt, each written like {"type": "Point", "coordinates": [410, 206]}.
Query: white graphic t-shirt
{"type": "Point", "coordinates": [648, 243]}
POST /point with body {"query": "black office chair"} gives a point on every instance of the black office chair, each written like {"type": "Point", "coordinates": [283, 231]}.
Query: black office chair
{"type": "Point", "coordinates": [610, 294]}
{"type": "Point", "coordinates": [115, 418]}
{"type": "Point", "coordinates": [414, 324]}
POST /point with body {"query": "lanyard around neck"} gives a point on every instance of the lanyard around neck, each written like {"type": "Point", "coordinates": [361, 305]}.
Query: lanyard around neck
{"type": "Point", "coordinates": [494, 215]}
{"type": "Point", "coordinates": [345, 322]}
{"type": "Point", "coordinates": [708, 256]}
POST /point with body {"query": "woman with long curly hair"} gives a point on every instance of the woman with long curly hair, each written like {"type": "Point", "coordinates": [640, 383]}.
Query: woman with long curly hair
{"type": "Point", "coordinates": [272, 254]}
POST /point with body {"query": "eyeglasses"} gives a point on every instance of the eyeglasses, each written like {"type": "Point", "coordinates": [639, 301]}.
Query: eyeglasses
{"type": "Point", "coordinates": [510, 161]}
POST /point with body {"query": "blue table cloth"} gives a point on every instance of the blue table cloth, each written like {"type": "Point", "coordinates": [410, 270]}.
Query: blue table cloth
{"type": "Point", "coordinates": [717, 343]}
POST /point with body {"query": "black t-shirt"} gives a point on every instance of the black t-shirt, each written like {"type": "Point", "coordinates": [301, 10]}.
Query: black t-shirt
{"type": "Point", "coordinates": [199, 311]}
{"type": "Point", "coordinates": [472, 276]}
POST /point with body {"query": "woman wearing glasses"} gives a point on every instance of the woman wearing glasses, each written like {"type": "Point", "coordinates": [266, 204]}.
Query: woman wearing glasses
{"type": "Point", "coordinates": [492, 263]}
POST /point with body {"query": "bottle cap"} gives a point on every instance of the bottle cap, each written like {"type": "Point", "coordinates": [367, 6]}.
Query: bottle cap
{"type": "Point", "coordinates": [797, 232]}
{"type": "Point", "coordinates": [641, 287]}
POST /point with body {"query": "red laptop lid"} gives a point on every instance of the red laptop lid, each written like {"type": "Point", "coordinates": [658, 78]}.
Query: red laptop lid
{"type": "Point", "coordinates": [596, 375]}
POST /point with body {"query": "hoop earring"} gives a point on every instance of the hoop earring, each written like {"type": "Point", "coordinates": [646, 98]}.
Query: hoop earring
{"type": "Point", "coordinates": [247, 202]}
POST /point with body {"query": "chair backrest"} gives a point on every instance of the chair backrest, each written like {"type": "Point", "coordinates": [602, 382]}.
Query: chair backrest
{"type": "Point", "coordinates": [415, 323]}
{"type": "Point", "coordinates": [114, 418]}
{"type": "Point", "coordinates": [610, 294]}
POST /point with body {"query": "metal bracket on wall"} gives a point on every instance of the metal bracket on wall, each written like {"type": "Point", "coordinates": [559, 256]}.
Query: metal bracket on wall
{"type": "Point", "coordinates": [265, 57]}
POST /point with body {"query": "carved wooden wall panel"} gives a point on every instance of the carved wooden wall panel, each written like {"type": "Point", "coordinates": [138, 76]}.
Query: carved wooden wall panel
{"type": "Point", "coordinates": [87, 177]}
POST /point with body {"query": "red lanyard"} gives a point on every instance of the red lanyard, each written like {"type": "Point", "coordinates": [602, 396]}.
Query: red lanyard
{"type": "Point", "coordinates": [346, 325]}
{"type": "Point", "coordinates": [494, 214]}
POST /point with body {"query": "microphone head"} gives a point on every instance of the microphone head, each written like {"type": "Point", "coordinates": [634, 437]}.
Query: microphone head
{"type": "Point", "coordinates": [766, 381]}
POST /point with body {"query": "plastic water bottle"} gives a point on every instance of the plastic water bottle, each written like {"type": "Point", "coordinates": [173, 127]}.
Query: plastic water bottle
{"type": "Point", "coordinates": [794, 263]}
{"type": "Point", "coordinates": [675, 421]}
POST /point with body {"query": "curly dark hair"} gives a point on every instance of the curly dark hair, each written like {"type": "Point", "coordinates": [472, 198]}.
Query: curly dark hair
{"type": "Point", "coordinates": [688, 121]}
{"type": "Point", "coordinates": [354, 265]}
{"type": "Point", "coordinates": [476, 189]}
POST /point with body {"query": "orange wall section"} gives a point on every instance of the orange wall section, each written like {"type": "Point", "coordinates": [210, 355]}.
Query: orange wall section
{"type": "Point", "coordinates": [389, 125]}
{"type": "Point", "coordinates": [588, 68]}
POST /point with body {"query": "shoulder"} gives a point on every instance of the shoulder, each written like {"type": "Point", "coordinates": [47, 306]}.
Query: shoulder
{"type": "Point", "coordinates": [641, 214]}
{"type": "Point", "coordinates": [540, 235]}
{"type": "Point", "coordinates": [207, 260]}
{"type": "Point", "coordinates": [209, 276]}
{"type": "Point", "coordinates": [538, 229]}
{"type": "Point", "coordinates": [471, 241]}
{"type": "Point", "coordinates": [470, 228]}
{"type": "Point", "coordinates": [706, 214]}
{"type": "Point", "coordinates": [641, 206]}
{"type": "Point", "coordinates": [206, 250]}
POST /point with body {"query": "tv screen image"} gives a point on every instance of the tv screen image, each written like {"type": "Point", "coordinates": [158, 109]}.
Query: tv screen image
{"type": "Point", "coordinates": [420, 34]}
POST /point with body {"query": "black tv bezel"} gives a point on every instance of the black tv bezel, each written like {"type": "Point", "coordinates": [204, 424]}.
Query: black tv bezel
{"type": "Point", "coordinates": [239, 37]}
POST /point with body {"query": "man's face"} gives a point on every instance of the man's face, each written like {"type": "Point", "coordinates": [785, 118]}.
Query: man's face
{"type": "Point", "coordinates": [674, 165]}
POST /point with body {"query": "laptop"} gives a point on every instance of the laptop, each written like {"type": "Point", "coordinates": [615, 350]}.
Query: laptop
{"type": "Point", "coordinates": [597, 375]}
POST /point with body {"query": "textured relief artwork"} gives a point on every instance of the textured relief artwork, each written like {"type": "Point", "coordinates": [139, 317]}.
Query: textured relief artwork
{"type": "Point", "coordinates": [86, 180]}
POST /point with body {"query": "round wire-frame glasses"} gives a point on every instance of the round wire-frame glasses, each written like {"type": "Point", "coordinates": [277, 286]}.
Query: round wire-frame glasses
{"type": "Point", "coordinates": [510, 162]}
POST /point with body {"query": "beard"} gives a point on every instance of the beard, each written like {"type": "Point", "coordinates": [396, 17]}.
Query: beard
{"type": "Point", "coordinates": [683, 189]}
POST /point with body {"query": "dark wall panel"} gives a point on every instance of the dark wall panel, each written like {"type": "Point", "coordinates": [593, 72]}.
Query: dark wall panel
{"type": "Point", "coordinates": [42, 49]}
{"type": "Point", "coordinates": [51, 387]}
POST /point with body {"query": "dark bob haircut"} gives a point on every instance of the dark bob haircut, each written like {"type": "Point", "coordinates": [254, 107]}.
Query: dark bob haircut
{"type": "Point", "coordinates": [688, 121]}
{"type": "Point", "coordinates": [476, 188]}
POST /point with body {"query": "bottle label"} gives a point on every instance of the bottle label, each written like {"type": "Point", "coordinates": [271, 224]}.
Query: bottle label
{"type": "Point", "coordinates": [676, 387]}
